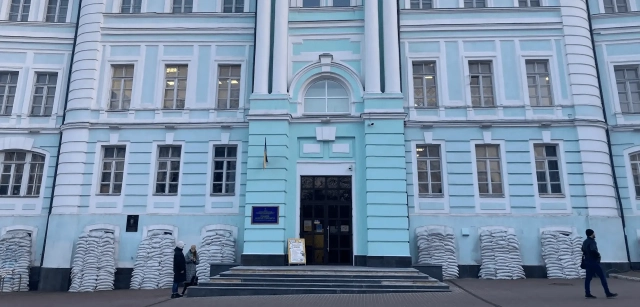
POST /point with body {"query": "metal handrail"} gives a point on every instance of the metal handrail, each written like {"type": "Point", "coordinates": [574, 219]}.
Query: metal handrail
{"type": "Point", "coordinates": [3, 277]}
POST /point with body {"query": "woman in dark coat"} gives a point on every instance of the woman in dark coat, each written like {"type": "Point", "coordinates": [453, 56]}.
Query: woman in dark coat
{"type": "Point", "coordinates": [192, 261]}
{"type": "Point", "coordinates": [179, 269]}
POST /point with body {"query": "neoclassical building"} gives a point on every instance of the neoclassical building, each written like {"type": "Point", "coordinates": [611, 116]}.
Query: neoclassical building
{"type": "Point", "coordinates": [361, 121]}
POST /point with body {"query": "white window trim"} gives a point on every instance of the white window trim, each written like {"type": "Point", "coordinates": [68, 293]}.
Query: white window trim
{"type": "Point", "coordinates": [31, 80]}
{"type": "Point", "coordinates": [116, 8]}
{"type": "Point", "coordinates": [324, 3]}
{"type": "Point", "coordinates": [136, 91]}
{"type": "Point", "coordinates": [553, 74]}
{"type": "Point", "coordinates": [633, 198]}
{"type": "Point", "coordinates": [505, 178]}
{"type": "Point", "coordinates": [489, 3]}
{"type": "Point", "coordinates": [96, 197]}
{"type": "Point", "coordinates": [168, 6]}
{"type": "Point", "coordinates": [613, 85]}
{"type": "Point", "coordinates": [565, 197]}
{"type": "Point", "coordinates": [234, 199]}
{"type": "Point", "coordinates": [211, 228]}
{"type": "Point", "coordinates": [601, 7]}
{"type": "Point", "coordinates": [441, 83]}
{"type": "Point", "coordinates": [160, 81]}
{"type": "Point", "coordinates": [445, 178]}
{"type": "Point", "coordinates": [214, 75]}
{"type": "Point", "coordinates": [20, 201]}
{"type": "Point", "coordinates": [34, 239]}
{"type": "Point", "coordinates": [116, 233]}
{"type": "Point", "coordinates": [543, 3]}
{"type": "Point", "coordinates": [153, 197]}
{"type": "Point", "coordinates": [19, 96]}
{"type": "Point", "coordinates": [220, 7]}
{"type": "Point", "coordinates": [167, 228]}
{"type": "Point", "coordinates": [318, 77]}
{"type": "Point", "coordinates": [42, 13]}
{"type": "Point", "coordinates": [496, 68]}
{"type": "Point", "coordinates": [5, 9]}
{"type": "Point", "coordinates": [407, 5]}
{"type": "Point", "coordinates": [26, 173]}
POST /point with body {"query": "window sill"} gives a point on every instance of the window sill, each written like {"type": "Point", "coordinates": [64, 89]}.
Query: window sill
{"type": "Point", "coordinates": [426, 108]}
{"type": "Point", "coordinates": [484, 107]}
{"type": "Point", "coordinates": [489, 196]}
{"type": "Point", "coordinates": [423, 196]}
{"type": "Point", "coordinates": [222, 195]}
{"type": "Point", "coordinates": [220, 109]}
{"type": "Point", "coordinates": [19, 196]}
{"type": "Point", "coordinates": [31, 115]}
{"type": "Point", "coordinates": [98, 194]}
{"type": "Point", "coordinates": [552, 195]}
{"type": "Point", "coordinates": [118, 111]}
{"type": "Point", "coordinates": [154, 194]}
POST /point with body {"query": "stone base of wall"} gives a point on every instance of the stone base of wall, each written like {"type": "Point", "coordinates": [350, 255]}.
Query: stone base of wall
{"type": "Point", "coordinates": [263, 260]}
{"type": "Point", "coordinates": [383, 261]}
{"type": "Point", "coordinates": [54, 279]}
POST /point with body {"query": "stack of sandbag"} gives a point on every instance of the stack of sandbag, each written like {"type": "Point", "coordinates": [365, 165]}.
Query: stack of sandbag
{"type": "Point", "coordinates": [562, 255]}
{"type": "Point", "coordinates": [436, 245]}
{"type": "Point", "coordinates": [218, 246]}
{"type": "Point", "coordinates": [153, 268]}
{"type": "Point", "coordinates": [94, 263]}
{"type": "Point", "coordinates": [15, 260]}
{"type": "Point", "coordinates": [500, 253]}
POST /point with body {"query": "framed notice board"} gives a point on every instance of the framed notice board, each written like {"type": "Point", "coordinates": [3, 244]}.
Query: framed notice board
{"type": "Point", "coordinates": [297, 252]}
{"type": "Point", "coordinates": [261, 215]}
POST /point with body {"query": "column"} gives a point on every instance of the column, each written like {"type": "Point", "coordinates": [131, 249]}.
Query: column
{"type": "Point", "coordinates": [262, 48]}
{"type": "Point", "coordinates": [280, 50]}
{"type": "Point", "coordinates": [391, 47]}
{"type": "Point", "coordinates": [372, 43]}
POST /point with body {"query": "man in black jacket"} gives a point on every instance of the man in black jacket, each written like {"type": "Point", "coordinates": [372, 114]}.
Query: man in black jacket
{"type": "Point", "coordinates": [179, 269]}
{"type": "Point", "coordinates": [592, 265]}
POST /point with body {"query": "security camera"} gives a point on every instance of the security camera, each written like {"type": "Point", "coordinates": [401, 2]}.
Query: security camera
{"type": "Point", "coordinates": [350, 167]}
{"type": "Point", "coordinates": [371, 124]}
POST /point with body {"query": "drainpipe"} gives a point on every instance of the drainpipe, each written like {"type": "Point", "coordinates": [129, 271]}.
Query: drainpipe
{"type": "Point", "coordinates": [64, 116]}
{"type": "Point", "coordinates": [606, 122]}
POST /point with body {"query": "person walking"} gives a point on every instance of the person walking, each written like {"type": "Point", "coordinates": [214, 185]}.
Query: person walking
{"type": "Point", "coordinates": [192, 261]}
{"type": "Point", "coordinates": [591, 260]}
{"type": "Point", "coordinates": [179, 269]}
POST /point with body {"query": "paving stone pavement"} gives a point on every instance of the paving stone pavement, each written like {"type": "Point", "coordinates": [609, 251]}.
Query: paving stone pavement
{"type": "Point", "coordinates": [470, 293]}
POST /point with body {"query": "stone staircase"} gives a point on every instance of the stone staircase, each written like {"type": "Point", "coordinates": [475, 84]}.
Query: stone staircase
{"type": "Point", "coordinates": [293, 280]}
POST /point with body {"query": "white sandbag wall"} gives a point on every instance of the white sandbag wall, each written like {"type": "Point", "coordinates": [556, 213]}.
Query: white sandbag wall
{"type": "Point", "coordinates": [436, 245]}
{"type": "Point", "coordinates": [218, 246]}
{"type": "Point", "coordinates": [94, 263]}
{"type": "Point", "coordinates": [562, 254]}
{"type": "Point", "coordinates": [153, 268]}
{"type": "Point", "coordinates": [500, 253]}
{"type": "Point", "coordinates": [15, 261]}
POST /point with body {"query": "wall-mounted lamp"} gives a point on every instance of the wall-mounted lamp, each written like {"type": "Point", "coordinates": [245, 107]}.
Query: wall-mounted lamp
{"type": "Point", "coordinates": [485, 126]}
{"type": "Point", "coordinates": [545, 124]}
{"type": "Point", "coordinates": [325, 120]}
{"type": "Point", "coordinates": [170, 126]}
{"type": "Point", "coordinates": [225, 126]}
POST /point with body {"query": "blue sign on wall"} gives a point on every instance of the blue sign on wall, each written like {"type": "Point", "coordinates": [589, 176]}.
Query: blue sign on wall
{"type": "Point", "coordinates": [264, 215]}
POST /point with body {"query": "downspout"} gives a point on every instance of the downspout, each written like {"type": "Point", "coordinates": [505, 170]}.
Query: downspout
{"type": "Point", "coordinates": [64, 116]}
{"type": "Point", "coordinates": [606, 122]}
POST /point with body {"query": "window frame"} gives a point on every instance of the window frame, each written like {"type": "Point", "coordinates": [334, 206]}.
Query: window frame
{"type": "Point", "coordinates": [26, 173]}
{"type": "Point", "coordinates": [488, 170]}
{"type": "Point", "coordinates": [429, 171]}
{"type": "Point", "coordinates": [131, 7]}
{"type": "Point", "coordinates": [538, 84]}
{"type": "Point", "coordinates": [122, 81]}
{"type": "Point", "coordinates": [225, 171]}
{"type": "Point", "coordinates": [172, 4]}
{"type": "Point", "coordinates": [494, 87]}
{"type": "Point", "coordinates": [20, 11]}
{"type": "Point", "coordinates": [240, 86]}
{"type": "Point", "coordinates": [475, 5]}
{"type": "Point", "coordinates": [112, 172]}
{"type": "Point", "coordinates": [546, 161]}
{"type": "Point", "coordinates": [233, 6]}
{"type": "Point", "coordinates": [424, 85]}
{"type": "Point", "coordinates": [56, 15]}
{"type": "Point", "coordinates": [540, 3]}
{"type": "Point", "coordinates": [33, 93]}
{"type": "Point", "coordinates": [614, 6]}
{"type": "Point", "coordinates": [4, 97]}
{"type": "Point", "coordinates": [636, 184]}
{"type": "Point", "coordinates": [628, 91]}
{"type": "Point", "coordinates": [168, 170]}
{"type": "Point", "coordinates": [421, 4]}
{"type": "Point", "coordinates": [163, 86]}
{"type": "Point", "coordinates": [326, 97]}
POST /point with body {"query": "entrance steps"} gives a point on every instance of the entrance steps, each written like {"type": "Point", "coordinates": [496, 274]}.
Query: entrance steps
{"type": "Point", "coordinates": [246, 281]}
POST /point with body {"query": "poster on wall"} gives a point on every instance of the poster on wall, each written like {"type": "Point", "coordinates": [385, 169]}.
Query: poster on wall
{"type": "Point", "coordinates": [297, 253]}
{"type": "Point", "coordinates": [264, 215]}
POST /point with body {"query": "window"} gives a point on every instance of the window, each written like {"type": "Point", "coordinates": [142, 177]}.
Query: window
{"type": "Point", "coordinates": [425, 89]}
{"type": "Point", "coordinates": [228, 86]}
{"type": "Point", "coordinates": [44, 93]}
{"type": "Point", "coordinates": [310, 3]}
{"type": "Point", "coordinates": [224, 170]}
{"type": "Point", "coordinates": [19, 10]}
{"type": "Point", "coordinates": [422, 4]}
{"type": "Point", "coordinates": [429, 170]}
{"type": "Point", "coordinates": [635, 172]}
{"type": "Point", "coordinates": [8, 84]}
{"type": "Point", "coordinates": [475, 3]}
{"type": "Point", "coordinates": [616, 6]}
{"type": "Point", "coordinates": [21, 173]}
{"type": "Point", "coordinates": [112, 169]}
{"type": "Point", "coordinates": [539, 83]}
{"type": "Point", "coordinates": [57, 11]}
{"type": "Point", "coordinates": [528, 3]}
{"type": "Point", "coordinates": [168, 170]}
{"type": "Point", "coordinates": [489, 170]}
{"type": "Point", "coordinates": [131, 6]}
{"type": "Point", "coordinates": [628, 83]}
{"type": "Point", "coordinates": [233, 6]}
{"type": "Point", "coordinates": [121, 87]}
{"type": "Point", "coordinates": [175, 90]}
{"type": "Point", "coordinates": [481, 74]}
{"type": "Point", "coordinates": [341, 3]}
{"type": "Point", "coordinates": [547, 169]}
{"type": "Point", "coordinates": [182, 6]}
{"type": "Point", "coordinates": [326, 96]}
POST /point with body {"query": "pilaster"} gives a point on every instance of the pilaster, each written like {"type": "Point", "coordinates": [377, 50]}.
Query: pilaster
{"type": "Point", "coordinates": [372, 41]}
{"type": "Point", "coordinates": [280, 50]}
{"type": "Point", "coordinates": [391, 47]}
{"type": "Point", "coordinates": [263, 47]}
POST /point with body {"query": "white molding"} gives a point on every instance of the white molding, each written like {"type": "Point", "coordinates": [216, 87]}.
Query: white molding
{"type": "Point", "coordinates": [169, 228]}
{"type": "Point", "coordinates": [613, 61]}
{"type": "Point", "coordinates": [234, 199]}
{"type": "Point", "coordinates": [633, 198]}
{"type": "Point", "coordinates": [168, 6]}
{"type": "Point", "coordinates": [329, 168]}
{"type": "Point", "coordinates": [153, 198]}
{"type": "Point", "coordinates": [210, 228]}
{"type": "Point", "coordinates": [505, 178]}
{"type": "Point", "coordinates": [192, 74]}
{"type": "Point", "coordinates": [489, 3]}
{"type": "Point", "coordinates": [116, 233]}
{"type": "Point", "coordinates": [117, 6]}
{"type": "Point", "coordinates": [553, 74]}
{"type": "Point", "coordinates": [442, 84]}
{"type": "Point", "coordinates": [107, 80]}
{"type": "Point", "coordinates": [444, 173]}
{"type": "Point", "coordinates": [496, 67]}
{"type": "Point", "coordinates": [34, 238]}
{"type": "Point", "coordinates": [564, 179]}
{"type": "Point", "coordinates": [564, 229]}
{"type": "Point", "coordinates": [95, 197]}
{"type": "Point", "coordinates": [30, 89]}
{"type": "Point", "coordinates": [23, 143]}
{"type": "Point", "coordinates": [216, 61]}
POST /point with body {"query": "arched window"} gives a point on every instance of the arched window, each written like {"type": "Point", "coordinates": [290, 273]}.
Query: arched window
{"type": "Point", "coordinates": [635, 171]}
{"type": "Point", "coordinates": [21, 173]}
{"type": "Point", "coordinates": [326, 96]}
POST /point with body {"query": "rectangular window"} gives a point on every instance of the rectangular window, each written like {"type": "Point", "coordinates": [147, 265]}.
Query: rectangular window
{"type": "Point", "coordinates": [233, 6]}
{"type": "Point", "coordinates": [628, 84]}
{"type": "Point", "coordinates": [19, 10]}
{"type": "Point", "coordinates": [225, 160]}
{"type": "Point", "coordinates": [20, 173]}
{"type": "Point", "coordinates": [429, 170]}
{"type": "Point", "coordinates": [474, 3]}
{"type": "Point", "coordinates": [481, 75]}
{"type": "Point", "coordinates": [341, 3]}
{"type": "Point", "coordinates": [168, 170]}
{"type": "Point", "coordinates": [228, 86]}
{"type": "Point", "coordinates": [538, 79]}
{"type": "Point", "coordinates": [131, 6]}
{"type": "Point", "coordinates": [635, 172]}
{"type": "Point", "coordinates": [112, 173]}
{"type": "Point", "coordinates": [489, 170]}
{"type": "Point", "coordinates": [425, 87]}
{"type": "Point", "coordinates": [57, 11]}
{"type": "Point", "coordinates": [310, 3]}
{"type": "Point", "coordinates": [616, 6]}
{"type": "Point", "coordinates": [529, 3]}
{"type": "Point", "coordinates": [121, 87]}
{"type": "Point", "coordinates": [175, 90]}
{"type": "Point", "coordinates": [44, 93]}
{"type": "Point", "coordinates": [182, 6]}
{"type": "Point", "coordinates": [422, 4]}
{"type": "Point", "coordinates": [8, 85]}
{"type": "Point", "coordinates": [548, 169]}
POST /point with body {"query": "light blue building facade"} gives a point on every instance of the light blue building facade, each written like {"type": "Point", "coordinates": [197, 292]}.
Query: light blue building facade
{"type": "Point", "coordinates": [377, 118]}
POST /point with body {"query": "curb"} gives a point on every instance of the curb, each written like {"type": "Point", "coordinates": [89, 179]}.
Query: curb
{"type": "Point", "coordinates": [618, 276]}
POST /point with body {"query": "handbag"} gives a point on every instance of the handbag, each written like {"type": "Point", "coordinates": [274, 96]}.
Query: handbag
{"type": "Point", "coordinates": [582, 264]}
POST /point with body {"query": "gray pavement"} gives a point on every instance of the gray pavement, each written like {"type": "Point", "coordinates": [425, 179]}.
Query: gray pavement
{"type": "Point", "coordinates": [465, 293]}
